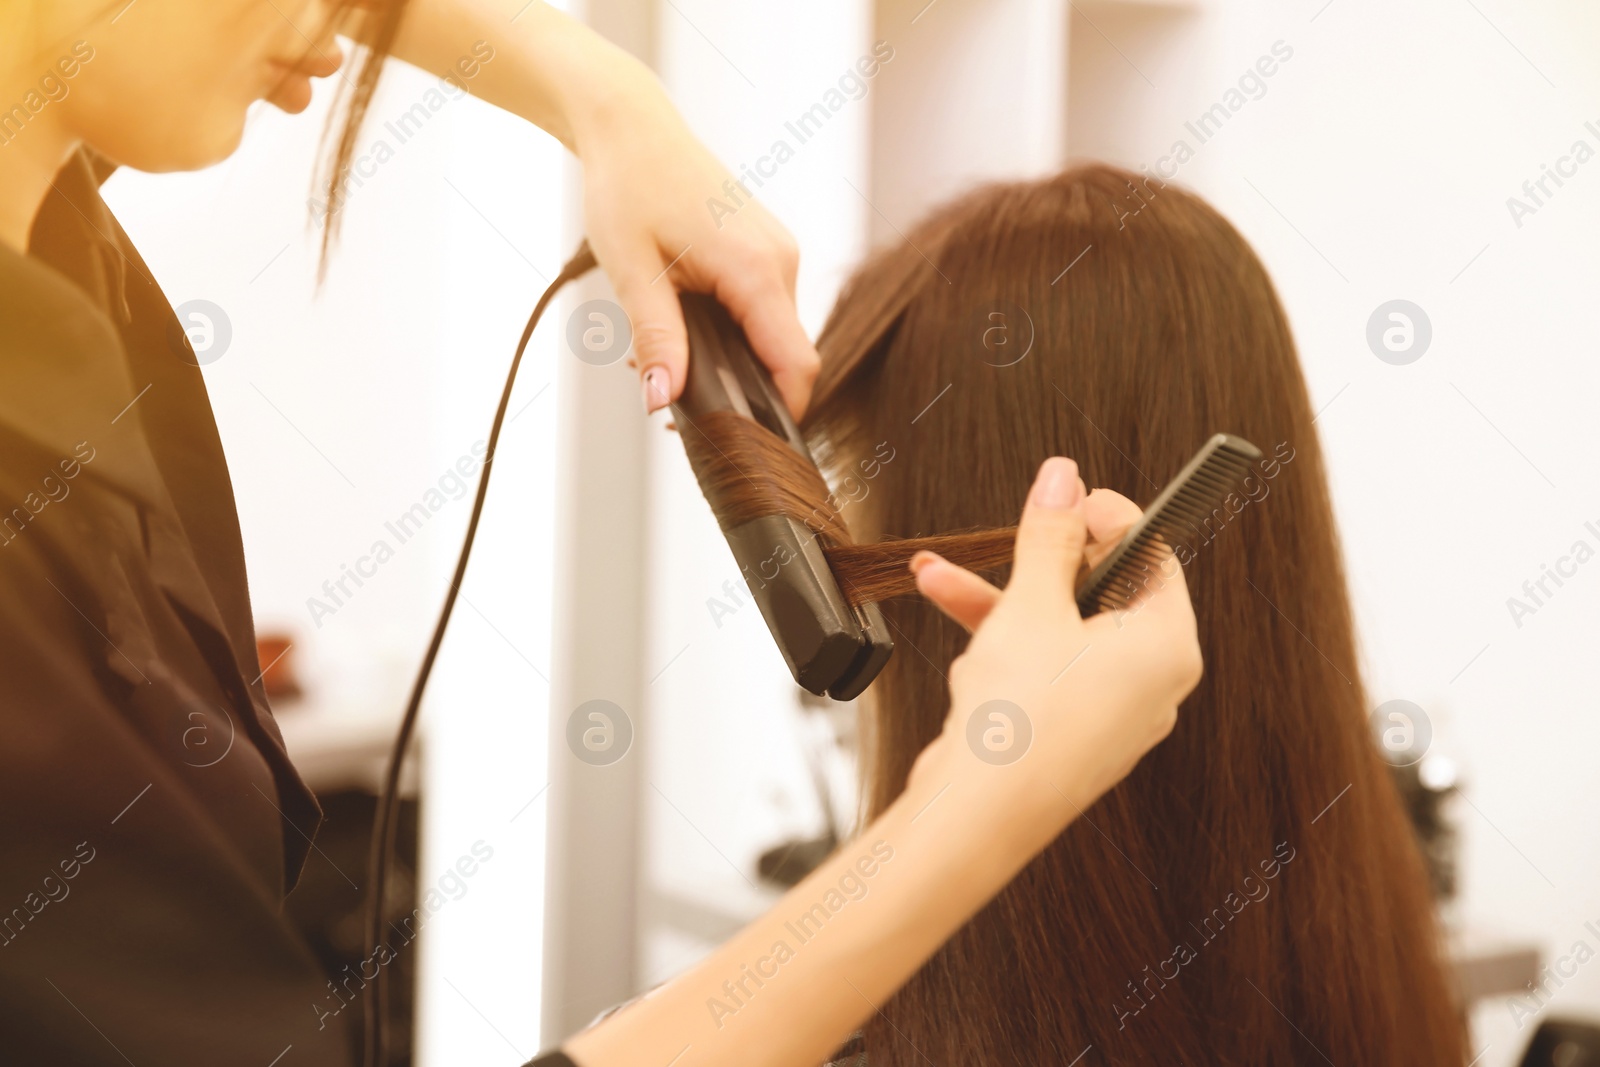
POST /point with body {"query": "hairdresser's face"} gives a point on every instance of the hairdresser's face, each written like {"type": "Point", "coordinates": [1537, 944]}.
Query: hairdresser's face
{"type": "Point", "coordinates": [165, 84]}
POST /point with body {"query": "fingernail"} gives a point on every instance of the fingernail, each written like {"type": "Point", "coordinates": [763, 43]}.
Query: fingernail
{"type": "Point", "coordinates": [654, 384]}
{"type": "Point", "coordinates": [921, 560]}
{"type": "Point", "coordinates": [1057, 484]}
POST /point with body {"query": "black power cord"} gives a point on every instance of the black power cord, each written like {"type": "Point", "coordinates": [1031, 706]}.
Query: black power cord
{"type": "Point", "coordinates": [375, 1016]}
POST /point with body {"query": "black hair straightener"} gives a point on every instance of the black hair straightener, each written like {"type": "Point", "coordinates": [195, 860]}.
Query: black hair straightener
{"type": "Point", "coordinates": [830, 646]}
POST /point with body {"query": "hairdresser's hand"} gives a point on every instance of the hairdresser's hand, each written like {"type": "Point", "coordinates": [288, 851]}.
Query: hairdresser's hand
{"type": "Point", "coordinates": [662, 215]}
{"type": "Point", "coordinates": [1095, 694]}
{"type": "Point", "coordinates": [660, 212]}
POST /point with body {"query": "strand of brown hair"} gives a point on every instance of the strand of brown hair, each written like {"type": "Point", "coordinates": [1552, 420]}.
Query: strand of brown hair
{"type": "Point", "coordinates": [746, 472]}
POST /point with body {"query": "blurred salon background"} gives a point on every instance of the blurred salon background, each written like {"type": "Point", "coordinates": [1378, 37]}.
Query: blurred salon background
{"type": "Point", "coordinates": [1411, 176]}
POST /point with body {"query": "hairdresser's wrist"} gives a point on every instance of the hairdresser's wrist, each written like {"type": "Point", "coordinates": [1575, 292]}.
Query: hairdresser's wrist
{"type": "Point", "coordinates": [609, 96]}
{"type": "Point", "coordinates": [1004, 815]}
{"type": "Point", "coordinates": [632, 118]}
{"type": "Point", "coordinates": [788, 988]}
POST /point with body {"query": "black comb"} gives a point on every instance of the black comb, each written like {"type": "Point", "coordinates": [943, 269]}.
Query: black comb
{"type": "Point", "coordinates": [1176, 518]}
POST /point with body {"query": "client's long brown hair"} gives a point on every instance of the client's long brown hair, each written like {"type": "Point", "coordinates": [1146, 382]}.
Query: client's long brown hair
{"type": "Point", "coordinates": [1251, 894]}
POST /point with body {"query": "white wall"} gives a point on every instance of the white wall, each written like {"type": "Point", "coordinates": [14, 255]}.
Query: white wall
{"type": "Point", "coordinates": [1375, 166]}
{"type": "Point", "coordinates": [975, 94]}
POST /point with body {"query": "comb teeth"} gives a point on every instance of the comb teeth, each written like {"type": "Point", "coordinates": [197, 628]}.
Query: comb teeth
{"type": "Point", "coordinates": [1179, 516]}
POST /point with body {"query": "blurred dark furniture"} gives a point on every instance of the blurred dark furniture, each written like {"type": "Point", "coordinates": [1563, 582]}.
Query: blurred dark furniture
{"type": "Point", "coordinates": [1564, 1043]}
{"type": "Point", "coordinates": [327, 907]}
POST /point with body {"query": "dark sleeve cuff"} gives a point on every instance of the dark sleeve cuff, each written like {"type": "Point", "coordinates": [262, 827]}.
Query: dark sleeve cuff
{"type": "Point", "coordinates": [552, 1059]}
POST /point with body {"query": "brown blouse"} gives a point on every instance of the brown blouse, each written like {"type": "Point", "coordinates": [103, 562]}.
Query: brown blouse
{"type": "Point", "coordinates": [150, 820]}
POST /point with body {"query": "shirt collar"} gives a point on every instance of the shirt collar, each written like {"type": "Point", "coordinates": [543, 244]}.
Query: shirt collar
{"type": "Point", "coordinates": [76, 234]}
{"type": "Point", "coordinates": [64, 376]}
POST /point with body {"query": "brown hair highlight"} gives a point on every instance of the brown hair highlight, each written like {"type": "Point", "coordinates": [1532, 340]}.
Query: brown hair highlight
{"type": "Point", "coordinates": [747, 472]}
